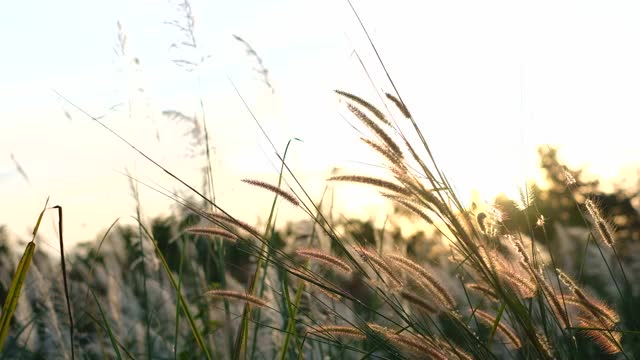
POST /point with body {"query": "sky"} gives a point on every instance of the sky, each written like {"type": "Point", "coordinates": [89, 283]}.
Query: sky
{"type": "Point", "coordinates": [488, 82]}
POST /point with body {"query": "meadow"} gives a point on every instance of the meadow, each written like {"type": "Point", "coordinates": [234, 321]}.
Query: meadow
{"type": "Point", "coordinates": [552, 274]}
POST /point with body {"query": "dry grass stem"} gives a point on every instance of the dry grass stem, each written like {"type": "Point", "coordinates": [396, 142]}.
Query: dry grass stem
{"type": "Point", "coordinates": [519, 246]}
{"type": "Point", "coordinates": [332, 293]}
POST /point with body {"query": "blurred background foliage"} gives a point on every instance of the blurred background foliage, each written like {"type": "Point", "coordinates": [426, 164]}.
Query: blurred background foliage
{"type": "Point", "coordinates": [124, 274]}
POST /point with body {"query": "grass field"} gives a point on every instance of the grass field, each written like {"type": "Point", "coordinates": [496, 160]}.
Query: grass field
{"type": "Point", "coordinates": [553, 274]}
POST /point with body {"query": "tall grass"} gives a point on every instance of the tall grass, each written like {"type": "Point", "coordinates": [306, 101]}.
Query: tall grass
{"type": "Point", "coordinates": [214, 286]}
{"type": "Point", "coordinates": [336, 292]}
{"type": "Point", "coordinates": [332, 291]}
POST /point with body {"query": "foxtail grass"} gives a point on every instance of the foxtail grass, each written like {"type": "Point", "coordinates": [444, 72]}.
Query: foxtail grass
{"type": "Point", "coordinates": [325, 258]}
{"type": "Point", "coordinates": [274, 189]}
{"type": "Point", "coordinates": [17, 282]}
{"type": "Point", "coordinates": [235, 295]}
{"type": "Point", "coordinates": [212, 231]}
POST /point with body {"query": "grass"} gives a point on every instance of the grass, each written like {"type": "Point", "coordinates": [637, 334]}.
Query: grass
{"type": "Point", "coordinates": [498, 294]}
{"type": "Point", "coordinates": [213, 286]}
{"type": "Point", "coordinates": [509, 300]}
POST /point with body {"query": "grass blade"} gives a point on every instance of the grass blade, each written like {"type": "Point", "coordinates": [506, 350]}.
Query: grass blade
{"type": "Point", "coordinates": [181, 299]}
{"type": "Point", "coordinates": [17, 282]}
{"type": "Point", "coordinates": [14, 292]}
{"type": "Point", "coordinates": [64, 279]}
{"type": "Point", "coordinates": [112, 338]}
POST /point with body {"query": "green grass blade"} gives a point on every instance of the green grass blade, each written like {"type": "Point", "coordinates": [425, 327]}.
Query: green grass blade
{"type": "Point", "coordinates": [293, 313]}
{"type": "Point", "coordinates": [112, 338]}
{"type": "Point", "coordinates": [494, 327]}
{"type": "Point", "coordinates": [17, 282]}
{"type": "Point", "coordinates": [177, 327]}
{"type": "Point", "coordinates": [120, 345]}
{"type": "Point", "coordinates": [182, 300]}
{"type": "Point", "coordinates": [14, 292]}
{"type": "Point", "coordinates": [28, 325]}
{"type": "Point", "coordinates": [243, 332]}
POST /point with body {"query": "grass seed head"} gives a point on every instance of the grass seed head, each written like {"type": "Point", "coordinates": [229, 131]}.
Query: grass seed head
{"type": "Point", "coordinates": [236, 295]}
{"type": "Point", "coordinates": [212, 231]}
{"type": "Point", "coordinates": [325, 258]}
{"type": "Point", "coordinates": [274, 189]}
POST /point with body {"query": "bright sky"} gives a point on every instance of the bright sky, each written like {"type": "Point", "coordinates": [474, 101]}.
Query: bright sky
{"type": "Point", "coordinates": [488, 81]}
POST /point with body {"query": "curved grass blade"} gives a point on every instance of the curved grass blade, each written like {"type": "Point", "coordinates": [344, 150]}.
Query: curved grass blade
{"type": "Point", "coordinates": [120, 345]}
{"type": "Point", "coordinates": [243, 331]}
{"type": "Point", "coordinates": [13, 295]}
{"type": "Point", "coordinates": [14, 292]}
{"type": "Point", "coordinates": [64, 279]}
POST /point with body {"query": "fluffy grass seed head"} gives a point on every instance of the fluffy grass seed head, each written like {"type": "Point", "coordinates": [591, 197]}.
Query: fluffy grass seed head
{"type": "Point", "coordinates": [372, 181]}
{"type": "Point", "coordinates": [418, 301]}
{"type": "Point", "coordinates": [519, 246]}
{"type": "Point", "coordinates": [236, 295]}
{"type": "Point", "coordinates": [607, 341]}
{"type": "Point", "coordinates": [274, 189]}
{"type": "Point", "coordinates": [603, 228]}
{"type": "Point", "coordinates": [555, 305]}
{"type": "Point", "coordinates": [212, 231]}
{"type": "Point", "coordinates": [235, 222]}
{"type": "Point", "coordinates": [392, 157]}
{"type": "Point", "coordinates": [503, 330]}
{"type": "Point", "coordinates": [546, 347]}
{"type": "Point", "coordinates": [606, 232]}
{"type": "Point", "coordinates": [410, 207]}
{"type": "Point", "coordinates": [337, 331]}
{"type": "Point", "coordinates": [365, 104]}
{"type": "Point", "coordinates": [400, 105]}
{"type": "Point", "coordinates": [484, 290]}
{"type": "Point", "coordinates": [592, 307]}
{"type": "Point", "coordinates": [378, 263]}
{"type": "Point", "coordinates": [409, 342]}
{"type": "Point", "coordinates": [566, 280]}
{"type": "Point", "coordinates": [386, 139]}
{"type": "Point", "coordinates": [569, 179]}
{"type": "Point", "coordinates": [425, 279]}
